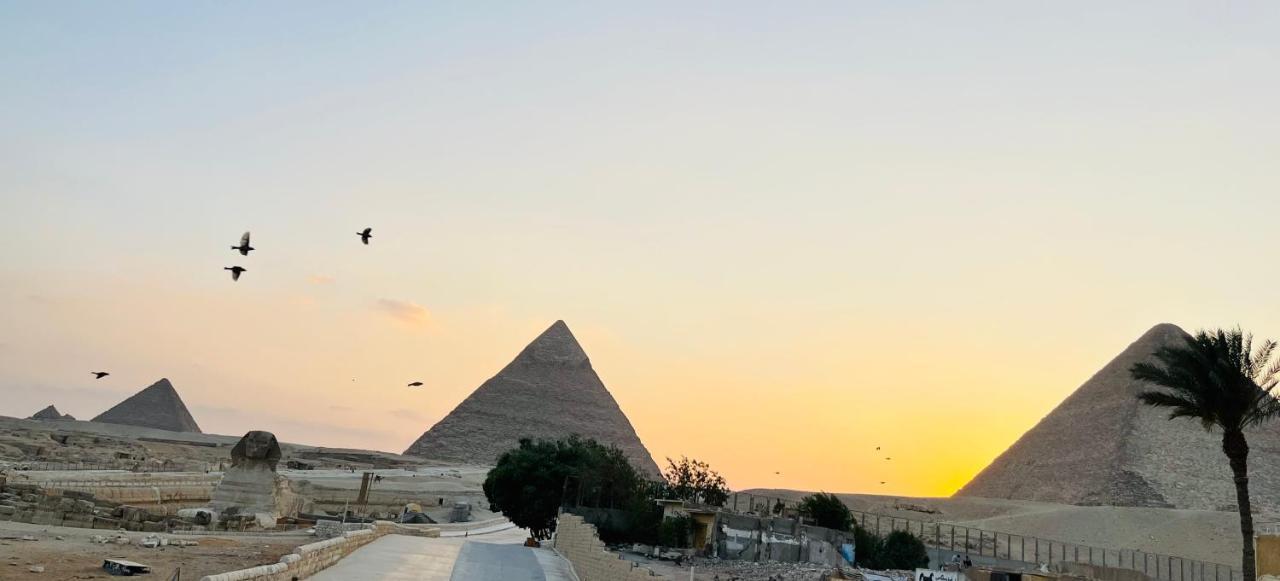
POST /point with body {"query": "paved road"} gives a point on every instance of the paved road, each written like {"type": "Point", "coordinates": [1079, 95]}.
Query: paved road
{"type": "Point", "coordinates": [494, 557]}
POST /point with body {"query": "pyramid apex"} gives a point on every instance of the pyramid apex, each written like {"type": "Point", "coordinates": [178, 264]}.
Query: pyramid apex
{"type": "Point", "coordinates": [555, 345]}
{"type": "Point", "coordinates": [1164, 329]}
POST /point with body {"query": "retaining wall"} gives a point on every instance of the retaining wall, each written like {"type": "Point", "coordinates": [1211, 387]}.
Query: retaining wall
{"type": "Point", "coordinates": [136, 489]}
{"type": "Point", "coordinates": [578, 542]}
{"type": "Point", "coordinates": [312, 558]}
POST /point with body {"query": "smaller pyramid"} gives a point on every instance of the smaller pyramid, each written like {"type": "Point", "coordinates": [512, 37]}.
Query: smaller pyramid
{"type": "Point", "coordinates": [157, 406]}
{"type": "Point", "coordinates": [50, 413]}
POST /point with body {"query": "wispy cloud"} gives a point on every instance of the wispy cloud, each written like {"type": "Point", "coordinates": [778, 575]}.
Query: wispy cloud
{"type": "Point", "coordinates": [406, 414]}
{"type": "Point", "coordinates": [320, 279]}
{"type": "Point", "coordinates": [406, 312]}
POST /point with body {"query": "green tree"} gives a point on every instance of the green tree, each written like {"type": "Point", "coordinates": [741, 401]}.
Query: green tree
{"type": "Point", "coordinates": [530, 483]}
{"type": "Point", "coordinates": [1221, 380]}
{"type": "Point", "coordinates": [826, 510]}
{"type": "Point", "coordinates": [695, 481]}
{"type": "Point", "coordinates": [675, 532]}
{"type": "Point", "coordinates": [901, 550]}
{"type": "Point", "coordinates": [866, 547]}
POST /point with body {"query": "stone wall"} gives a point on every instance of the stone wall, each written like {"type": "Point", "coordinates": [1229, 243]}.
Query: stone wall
{"type": "Point", "coordinates": [749, 538]}
{"type": "Point", "coordinates": [137, 489]}
{"type": "Point", "coordinates": [29, 503]}
{"type": "Point", "coordinates": [312, 558]}
{"type": "Point", "coordinates": [578, 542]}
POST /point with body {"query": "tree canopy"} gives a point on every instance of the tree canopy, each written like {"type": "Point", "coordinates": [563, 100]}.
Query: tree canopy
{"type": "Point", "coordinates": [530, 483]}
{"type": "Point", "coordinates": [827, 511]}
{"type": "Point", "coordinates": [694, 481]}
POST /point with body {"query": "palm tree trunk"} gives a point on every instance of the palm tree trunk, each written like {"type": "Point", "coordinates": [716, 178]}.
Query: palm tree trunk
{"type": "Point", "coordinates": [1236, 448]}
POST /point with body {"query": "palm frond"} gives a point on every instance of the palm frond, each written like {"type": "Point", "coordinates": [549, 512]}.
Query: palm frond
{"type": "Point", "coordinates": [1217, 377]}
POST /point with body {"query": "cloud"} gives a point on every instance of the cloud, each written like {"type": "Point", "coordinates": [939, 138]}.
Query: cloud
{"type": "Point", "coordinates": [320, 279]}
{"type": "Point", "coordinates": [405, 414]}
{"type": "Point", "coordinates": [406, 312]}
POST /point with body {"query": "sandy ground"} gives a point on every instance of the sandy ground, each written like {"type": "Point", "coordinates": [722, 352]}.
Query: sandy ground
{"type": "Point", "coordinates": [76, 557]}
{"type": "Point", "coordinates": [1195, 534]}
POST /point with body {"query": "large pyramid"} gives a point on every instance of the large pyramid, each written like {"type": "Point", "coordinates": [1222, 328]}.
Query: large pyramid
{"type": "Point", "coordinates": [548, 391]}
{"type": "Point", "coordinates": [1101, 446]}
{"type": "Point", "coordinates": [157, 406]}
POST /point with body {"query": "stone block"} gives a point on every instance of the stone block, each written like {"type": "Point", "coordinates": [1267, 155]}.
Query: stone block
{"type": "Point", "coordinates": [84, 521]}
{"type": "Point", "coordinates": [47, 517]}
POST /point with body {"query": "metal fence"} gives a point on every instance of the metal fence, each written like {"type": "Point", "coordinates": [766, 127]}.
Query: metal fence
{"type": "Point", "coordinates": [1035, 551]}
{"type": "Point", "coordinates": [1014, 549]}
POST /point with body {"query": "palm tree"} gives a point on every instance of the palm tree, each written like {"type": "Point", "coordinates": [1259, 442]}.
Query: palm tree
{"type": "Point", "coordinates": [1221, 380]}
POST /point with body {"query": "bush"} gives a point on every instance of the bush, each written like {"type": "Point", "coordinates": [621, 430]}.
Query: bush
{"type": "Point", "coordinates": [827, 511]}
{"type": "Point", "coordinates": [866, 547]}
{"type": "Point", "coordinates": [903, 550]}
{"type": "Point", "coordinates": [675, 531]}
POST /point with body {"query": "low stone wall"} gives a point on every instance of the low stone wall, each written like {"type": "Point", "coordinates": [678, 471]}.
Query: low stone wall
{"type": "Point", "coordinates": [312, 558]}
{"type": "Point", "coordinates": [136, 489]}
{"type": "Point", "coordinates": [578, 542]}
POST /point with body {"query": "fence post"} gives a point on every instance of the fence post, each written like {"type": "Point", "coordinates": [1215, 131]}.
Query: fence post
{"type": "Point", "coordinates": [1024, 548]}
{"type": "Point", "coordinates": [966, 539]}
{"type": "Point", "coordinates": [981, 545]}
{"type": "Point", "coordinates": [952, 545]}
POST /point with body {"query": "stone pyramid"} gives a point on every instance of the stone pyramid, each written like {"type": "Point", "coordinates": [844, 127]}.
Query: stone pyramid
{"type": "Point", "coordinates": [157, 406]}
{"type": "Point", "coordinates": [548, 391]}
{"type": "Point", "coordinates": [1101, 446]}
{"type": "Point", "coordinates": [50, 413]}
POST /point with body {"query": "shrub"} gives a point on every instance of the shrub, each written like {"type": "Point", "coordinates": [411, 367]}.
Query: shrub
{"type": "Point", "coordinates": [902, 550]}
{"type": "Point", "coordinates": [675, 531]}
{"type": "Point", "coordinates": [827, 511]}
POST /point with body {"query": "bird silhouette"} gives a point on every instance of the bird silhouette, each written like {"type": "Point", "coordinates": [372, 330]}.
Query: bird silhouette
{"type": "Point", "coordinates": [235, 271]}
{"type": "Point", "coordinates": [244, 247]}
{"type": "Point", "coordinates": [416, 384]}
{"type": "Point", "coordinates": [99, 374]}
{"type": "Point", "coordinates": [365, 235]}
{"type": "Point", "coordinates": [887, 458]}
{"type": "Point", "coordinates": [877, 448]}
{"type": "Point", "coordinates": [881, 482]}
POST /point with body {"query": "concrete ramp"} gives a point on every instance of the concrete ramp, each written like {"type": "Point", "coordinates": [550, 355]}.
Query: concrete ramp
{"type": "Point", "coordinates": [477, 558]}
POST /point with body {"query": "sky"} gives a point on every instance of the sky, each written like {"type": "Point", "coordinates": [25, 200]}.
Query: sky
{"type": "Point", "coordinates": [785, 233]}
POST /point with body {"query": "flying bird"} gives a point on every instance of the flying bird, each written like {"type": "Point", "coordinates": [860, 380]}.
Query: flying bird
{"type": "Point", "coordinates": [416, 384]}
{"type": "Point", "coordinates": [99, 374]}
{"type": "Point", "coordinates": [887, 458]}
{"type": "Point", "coordinates": [881, 482]}
{"type": "Point", "coordinates": [244, 247]}
{"type": "Point", "coordinates": [877, 448]}
{"type": "Point", "coordinates": [235, 271]}
{"type": "Point", "coordinates": [365, 235]}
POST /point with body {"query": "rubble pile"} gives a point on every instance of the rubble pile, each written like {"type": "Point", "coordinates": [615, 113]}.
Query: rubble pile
{"type": "Point", "coordinates": [721, 570]}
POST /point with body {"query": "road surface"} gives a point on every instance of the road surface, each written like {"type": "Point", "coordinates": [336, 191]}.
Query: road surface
{"type": "Point", "coordinates": [496, 556]}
